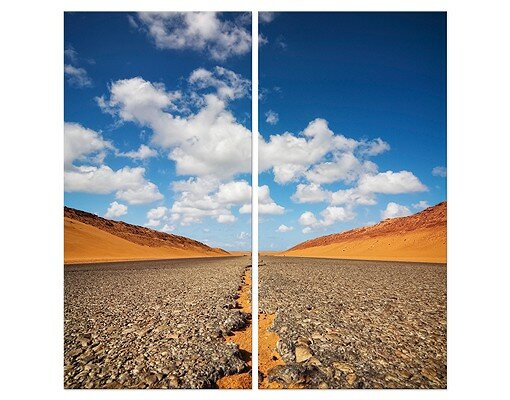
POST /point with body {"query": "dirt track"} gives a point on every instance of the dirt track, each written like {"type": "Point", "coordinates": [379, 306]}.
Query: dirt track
{"type": "Point", "coordinates": [356, 324]}
{"type": "Point", "coordinates": [157, 324]}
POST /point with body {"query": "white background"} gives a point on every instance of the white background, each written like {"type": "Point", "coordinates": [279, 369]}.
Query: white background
{"type": "Point", "coordinates": [31, 273]}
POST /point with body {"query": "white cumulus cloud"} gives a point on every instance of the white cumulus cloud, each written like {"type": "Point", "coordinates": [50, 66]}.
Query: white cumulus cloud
{"type": "Point", "coordinates": [200, 31]}
{"type": "Point", "coordinates": [390, 182]}
{"type": "Point", "coordinates": [284, 228]}
{"type": "Point", "coordinates": [227, 83]}
{"type": "Point", "coordinates": [142, 153]}
{"type": "Point", "coordinates": [394, 210]}
{"type": "Point", "coordinates": [168, 228]}
{"type": "Point", "coordinates": [83, 144]}
{"type": "Point", "coordinates": [307, 218]}
{"type": "Point", "coordinates": [198, 198]}
{"type": "Point", "coordinates": [290, 156]}
{"type": "Point", "coordinates": [346, 167]}
{"type": "Point", "coordinates": [152, 223]}
{"type": "Point", "coordinates": [311, 193]}
{"type": "Point", "coordinates": [267, 205]}
{"type": "Point", "coordinates": [196, 130]}
{"type": "Point", "coordinates": [318, 158]}
{"type": "Point", "coordinates": [127, 183]}
{"type": "Point", "coordinates": [146, 192]}
{"type": "Point", "coordinates": [352, 196]}
{"type": "Point", "coordinates": [209, 142]}
{"type": "Point", "coordinates": [116, 210]}
{"type": "Point", "coordinates": [157, 213]}
{"type": "Point", "coordinates": [329, 216]}
{"type": "Point", "coordinates": [234, 192]}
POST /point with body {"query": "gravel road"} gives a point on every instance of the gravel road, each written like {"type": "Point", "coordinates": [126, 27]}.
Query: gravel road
{"type": "Point", "coordinates": [356, 324]}
{"type": "Point", "coordinates": [152, 324]}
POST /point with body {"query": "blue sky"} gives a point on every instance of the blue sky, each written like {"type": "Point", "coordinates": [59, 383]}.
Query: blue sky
{"type": "Point", "coordinates": [158, 119]}
{"type": "Point", "coordinates": [371, 88]}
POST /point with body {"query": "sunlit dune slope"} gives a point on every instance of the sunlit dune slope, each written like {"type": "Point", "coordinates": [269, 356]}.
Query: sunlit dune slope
{"type": "Point", "coordinates": [89, 238]}
{"type": "Point", "coordinates": [420, 237]}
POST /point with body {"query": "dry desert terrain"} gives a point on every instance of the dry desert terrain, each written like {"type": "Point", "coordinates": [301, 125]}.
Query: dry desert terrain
{"type": "Point", "coordinates": [419, 238]}
{"type": "Point", "coordinates": [157, 324]}
{"type": "Point", "coordinates": [351, 324]}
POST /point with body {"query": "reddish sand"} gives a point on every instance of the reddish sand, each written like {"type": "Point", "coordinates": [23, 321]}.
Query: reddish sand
{"type": "Point", "coordinates": [89, 238]}
{"type": "Point", "coordinates": [420, 237]}
{"type": "Point", "coordinates": [243, 340]}
{"type": "Point", "coordinates": [268, 355]}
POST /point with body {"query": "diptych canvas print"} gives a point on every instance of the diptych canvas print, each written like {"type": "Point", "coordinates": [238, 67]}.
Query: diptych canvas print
{"type": "Point", "coordinates": [351, 200]}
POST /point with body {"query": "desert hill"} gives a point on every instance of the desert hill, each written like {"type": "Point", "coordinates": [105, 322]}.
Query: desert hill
{"type": "Point", "coordinates": [418, 237]}
{"type": "Point", "coordinates": [90, 238]}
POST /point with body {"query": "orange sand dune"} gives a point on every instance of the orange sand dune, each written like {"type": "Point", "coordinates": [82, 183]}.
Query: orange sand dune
{"type": "Point", "coordinates": [240, 252]}
{"type": "Point", "coordinates": [89, 238]}
{"type": "Point", "coordinates": [420, 237]}
{"type": "Point", "coordinates": [269, 253]}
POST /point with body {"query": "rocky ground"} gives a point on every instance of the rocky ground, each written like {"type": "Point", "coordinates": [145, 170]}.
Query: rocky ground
{"type": "Point", "coordinates": [356, 324]}
{"type": "Point", "coordinates": [152, 324]}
